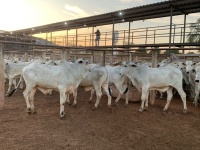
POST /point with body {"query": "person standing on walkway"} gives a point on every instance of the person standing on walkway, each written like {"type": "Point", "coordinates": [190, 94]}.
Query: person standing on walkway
{"type": "Point", "coordinates": [98, 34]}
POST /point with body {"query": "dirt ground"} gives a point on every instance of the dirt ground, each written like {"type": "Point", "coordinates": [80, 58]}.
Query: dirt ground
{"type": "Point", "coordinates": [103, 129]}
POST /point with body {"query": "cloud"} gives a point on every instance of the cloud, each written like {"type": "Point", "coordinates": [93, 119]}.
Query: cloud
{"type": "Point", "coordinates": [75, 12]}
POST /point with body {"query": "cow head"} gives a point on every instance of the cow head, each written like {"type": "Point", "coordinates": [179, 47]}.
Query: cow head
{"type": "Point", "coordinates": [197, 74]}
{"type": "Point", "coordinates": [189, 66]}
{"type": "Point", "coordinates": [85, 63]}
{"type": "Point", "coordinates": [125, 69]}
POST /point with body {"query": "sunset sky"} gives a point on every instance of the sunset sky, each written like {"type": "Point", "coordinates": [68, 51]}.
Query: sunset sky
{"type": "Point", "coordinates": [20, 14]}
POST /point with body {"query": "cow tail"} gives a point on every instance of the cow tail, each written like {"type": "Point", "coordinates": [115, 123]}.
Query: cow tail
{"type": "Point", "coordinates": [15, 89]}
{"type": "Point", "coordinates": [110, 91]}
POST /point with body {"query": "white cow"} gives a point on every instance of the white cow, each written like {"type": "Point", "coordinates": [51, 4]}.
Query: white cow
{"type": "Point", "coordinates": [12, 71]}
{"type": "Point", "coordinates": [94, 81]}
{"type": "Point", "coordinates": [64, 78]}
{"type": "Point", "coordinates": [197, 87]}
{"type": "Point", "coordinates": [120, 82]}
{"type": "Point", "coordinates": [190, 67]}
{"type": "Point", "coordinates": [162, 79]}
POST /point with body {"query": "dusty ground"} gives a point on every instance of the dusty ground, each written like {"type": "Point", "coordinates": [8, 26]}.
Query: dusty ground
{"type": "Point", "coordinates": [119, 129]}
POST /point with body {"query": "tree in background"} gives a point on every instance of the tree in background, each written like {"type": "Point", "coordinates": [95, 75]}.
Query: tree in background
{"type": "Point", "coordinates": [194, 35]}
{"type": "Point", "coordinates": [172, 51]}
{"type": "Point", "coordinates": [141, 50]}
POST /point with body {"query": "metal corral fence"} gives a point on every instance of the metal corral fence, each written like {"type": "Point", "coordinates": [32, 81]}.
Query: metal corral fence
{"type": "Point", "coordinates": [149, 35]}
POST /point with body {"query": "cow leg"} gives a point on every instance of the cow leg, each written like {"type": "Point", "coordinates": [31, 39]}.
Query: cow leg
{"type": "Point", "coordinates": [105, 88]}
{"type": "Point", "coordinates": [161, 94]}
{"type": "Point", "coordinates": [9, 85]}
{"type": "Point", "coordinates": [32, 94]}
{"type": "Point", "coordinates": [147, 100]}
{"type": "Point", "coordinates": [62, 103]}
{"type": "Point", "coordinates": [92, 94]}
{"type": "Point", "coordinates": [68, 100]}
{"type": "Point", "coordinates": [169, 97]}
{"type": "Point", "coordinates": [75, 98]}
{"type": "Point", "coordinates": [21, 85]}
{"type": "Point", "coordinates": [14, 82]}
{"type": "Point", "coordinates": [143, 98]}
{"type": "Point", "coordinates": [126, 102]}
{"type": "Point", "coordinates": [26, 94]}
{"type": "Point", "coordinates": [183, 97]}
{"type": "Point", "coordinates": [118, 98]}
{"type": "Point", "coordinates": [98, 94]}
{"type": "Point", "coordinates": [196, 96]}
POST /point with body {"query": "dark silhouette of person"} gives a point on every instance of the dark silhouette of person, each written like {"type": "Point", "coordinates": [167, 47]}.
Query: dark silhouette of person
{"type": "Point", "coordinates": [98, 34]}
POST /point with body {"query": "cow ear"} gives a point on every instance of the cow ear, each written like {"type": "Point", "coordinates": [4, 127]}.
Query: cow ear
{"type": "Point", "coordinates": [133, 65]}
{"type": "Point", "coordinates": [80, 62]}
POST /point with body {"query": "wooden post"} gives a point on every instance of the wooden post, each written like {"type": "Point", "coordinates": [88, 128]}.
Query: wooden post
{"type": "Point", "coordinates": [92, 57]}
{"type": "Point", "coordinates": [104, 58]}
{"type": "Point", "coordinates": [130, 57]}
{"type": "Point", "coordinates": [2, 99]}
{"type": "Point", "coordinates": [92, 36]}
{"type": "Point", "coordinates": [154, 63]}
{"type": "Point", "coordinates": [146, 36]}
{"type": "Point", "coordinates": [26, 56]}
{"type": "Point", "coordinates": [62, 54]}
{"type": "Point", "coordinates": [44, 56]}
{"type": "Point", "coordinates": [136, 59]}
{"type": "Point", "coordinates": [52, 56]}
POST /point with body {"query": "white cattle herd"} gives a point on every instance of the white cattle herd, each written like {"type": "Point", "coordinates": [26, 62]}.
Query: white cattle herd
{"type": "Point", "coordinates": [65, 77]}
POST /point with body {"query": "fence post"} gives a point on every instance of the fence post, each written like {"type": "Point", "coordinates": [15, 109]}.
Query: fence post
{"type": "Point", "coordinates": [174, 33]}
{"type": "Point", "coordinates": [146, 36]}
{"type": "Point", "coordinates": [104, 58]}
{"type": "Point", "coordinates": [26, 56]}
{"type": "Point", "coordinates": [62, 54]}
{"type": "Point", "coordinates": [85, 40]}
{"type": "Point", "coordinates": [154, 63]}
{"type": "Point", "coordinates": [132, 38]}
{"type": "Point", "coordinates": [130, 57]}
{"type": "Point", "coordinates": [44, 56]}
{"type": "Point", "coordinates": [124, 38]}
{"type": "Point", "coordinates": [181, 35]}
{"type": "Point", "coordinates": [2, 99]}
{"type": "Point", "coordinates": [105, 38]}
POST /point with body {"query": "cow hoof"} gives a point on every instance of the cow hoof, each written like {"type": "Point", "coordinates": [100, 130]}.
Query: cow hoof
{"type": "Point", "coordinates": [94, 108]}
{"type": "Point", "coordinates": [185, 111]}
{"type": "Point", "coordinates": [74, 105]}
{"type": "Point", "coordinates": [116, 104]}
{"type": "Point", "coordinates": [29, 112]}
{"type": "Point", "coordinates": [34, 112]}
{"type": "Point", "coordinates": [109, 107]}
{"type": "Point", "coordinates": [62, 117]}
{"type": "Point", "coordinates": [89, 101]}
{"type": "Point", "coordinates": [69, 103]}
{"type": "Point", "coordinates": [164, 110]}
{"type": "Point", "coordinates": [140, 110]}
{"type": "Point", "coordinates": [6, 94]}
{"type": "Point", "coordinates": [125, 105]}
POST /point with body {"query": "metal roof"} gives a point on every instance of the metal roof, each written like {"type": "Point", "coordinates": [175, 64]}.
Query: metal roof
{"type": "Point", "coordinates": [155, 10]}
